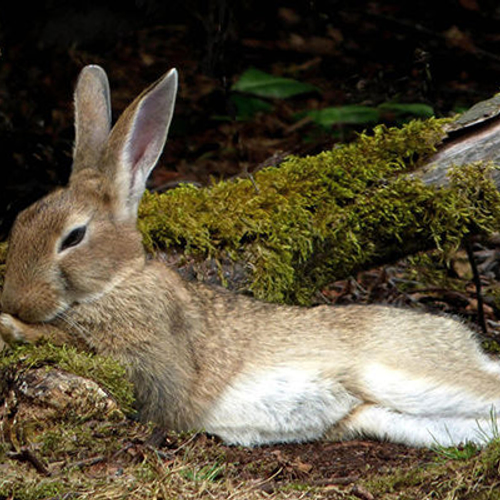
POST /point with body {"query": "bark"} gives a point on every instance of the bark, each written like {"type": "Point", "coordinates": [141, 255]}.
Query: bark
{"type": "Point", "coordinates": [479, 141]}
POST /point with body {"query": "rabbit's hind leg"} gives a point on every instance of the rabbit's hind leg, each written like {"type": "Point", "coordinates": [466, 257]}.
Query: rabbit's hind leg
{"type": "Point", "coordinates": [468, 391]}
{"type": "Point", "coordinates": [373, 421]}
{"type": "Point", "coordinates": [445, 406]}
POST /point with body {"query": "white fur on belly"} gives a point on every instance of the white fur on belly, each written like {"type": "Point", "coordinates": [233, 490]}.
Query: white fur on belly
{"type": "Point", "coordinates": [279, 405]}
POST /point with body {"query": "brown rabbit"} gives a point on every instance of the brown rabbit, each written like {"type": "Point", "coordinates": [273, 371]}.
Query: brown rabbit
{"type": "Point", "coordinates": [247, 371]}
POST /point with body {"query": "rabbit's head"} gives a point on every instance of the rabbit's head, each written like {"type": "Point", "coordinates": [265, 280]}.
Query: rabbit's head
{"type": "Point", "coordinates": [78, 242]}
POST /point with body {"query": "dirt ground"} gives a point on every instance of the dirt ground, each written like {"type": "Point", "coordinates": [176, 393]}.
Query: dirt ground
{"type": "Point", "coordinates": [327, 463]}
{"type": "Point", "coordinates": [314, 464]}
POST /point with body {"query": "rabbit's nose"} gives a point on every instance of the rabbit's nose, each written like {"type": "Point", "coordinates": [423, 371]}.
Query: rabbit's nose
{"type": "Point", "coordinates": [11, 304]}
{"type": "Point", "coordinates": [33, 304]}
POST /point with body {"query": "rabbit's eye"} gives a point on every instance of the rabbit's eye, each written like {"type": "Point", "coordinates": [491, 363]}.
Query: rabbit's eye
{"type": "Point", "coordinates": [73, 238]}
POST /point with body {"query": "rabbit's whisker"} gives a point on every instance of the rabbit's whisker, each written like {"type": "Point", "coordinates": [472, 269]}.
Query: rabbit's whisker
{"type": "Point", "coordinates": [80, 329]}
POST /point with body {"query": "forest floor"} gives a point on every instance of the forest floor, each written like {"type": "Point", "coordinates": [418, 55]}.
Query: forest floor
{"type": "Point", "coordinates": [207, 144]}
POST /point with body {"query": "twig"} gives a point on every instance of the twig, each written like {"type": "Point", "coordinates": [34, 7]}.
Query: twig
{"type": "Point", "coordinates": [28, 455]}
{"type": "Point", "coordinates": [441, 290]}
{"type": "Point", "coordinates": [187, 442]}
{"type": "Point", "coordinates": [122, 450]}
{"type": "Point", "coordinates": [252, 180]}
{"type": "Point", "coordinates": [477, 281]}
{"type": "Point", "coordinates": [85, 463]}
{"type": "Point", "coordinates": [154, 446]}
{"type": "Point", "coordinates": [165, 455]}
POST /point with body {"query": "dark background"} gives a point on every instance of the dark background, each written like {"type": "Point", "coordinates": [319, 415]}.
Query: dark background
{"type": "Point", "coordinates": [443, 53]}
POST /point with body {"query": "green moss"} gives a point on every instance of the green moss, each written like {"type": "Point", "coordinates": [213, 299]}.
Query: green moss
{"type": "Point", "coordinates": [34, 489]}
{"type": "Point", "coordinates": [317, 219]}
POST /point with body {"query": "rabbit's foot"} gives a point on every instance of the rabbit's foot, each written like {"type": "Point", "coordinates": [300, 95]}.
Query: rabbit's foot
{"type": "Point", "coordinates": [11, 329]}
{"type": "Point", "coordinates": [14, 331]}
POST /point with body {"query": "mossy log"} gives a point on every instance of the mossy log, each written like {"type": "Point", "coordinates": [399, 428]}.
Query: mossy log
{"type": "Point", "coordinates": [309, 221]}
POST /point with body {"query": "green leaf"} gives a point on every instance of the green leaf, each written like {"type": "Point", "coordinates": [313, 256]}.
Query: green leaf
{"type": "Point", "coordinates": [352, 114]}
{"type": "Point", "coordinates": [256, 82]}
{"type": "Point", "coordinates": [247, 106]}
{"type": "Point", "coordinates": [360, 115]}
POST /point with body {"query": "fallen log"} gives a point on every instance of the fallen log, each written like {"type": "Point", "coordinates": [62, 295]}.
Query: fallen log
{"type": "Point", "coordinates": [315, 220]}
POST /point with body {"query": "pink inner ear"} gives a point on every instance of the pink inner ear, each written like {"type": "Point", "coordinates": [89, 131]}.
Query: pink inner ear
{"type": "Point", "coordinates": [148, 133]}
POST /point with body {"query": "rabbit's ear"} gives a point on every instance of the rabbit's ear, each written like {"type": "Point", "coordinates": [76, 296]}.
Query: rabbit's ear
{"type": "Point", "coordinates": [92, 117]}
{"type": "Point", "coordinates": [137, 141]}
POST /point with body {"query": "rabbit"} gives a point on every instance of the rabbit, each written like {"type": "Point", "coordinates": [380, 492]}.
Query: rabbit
{"type": "Point", "coordinates": [249, 372]}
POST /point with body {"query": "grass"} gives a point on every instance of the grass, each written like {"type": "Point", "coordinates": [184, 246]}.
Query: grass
{"type": "Point", "coordinates": [456, 474]}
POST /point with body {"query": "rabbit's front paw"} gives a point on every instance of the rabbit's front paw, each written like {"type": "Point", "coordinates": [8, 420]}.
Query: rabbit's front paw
{"type": "Point", "coordinates": [11, 329]}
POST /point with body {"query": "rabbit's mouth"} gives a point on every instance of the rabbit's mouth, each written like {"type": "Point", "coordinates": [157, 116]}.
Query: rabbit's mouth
{"type": "Point", "coordinates": [47, 316]}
